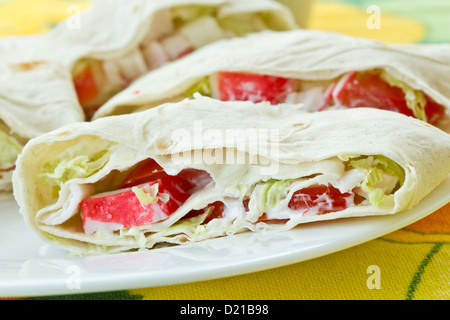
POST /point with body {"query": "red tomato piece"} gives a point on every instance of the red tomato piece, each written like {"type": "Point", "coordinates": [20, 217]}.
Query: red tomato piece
{"type": "Point", "coordinates": [86, 86]}
{"type": "Point", "coordinates": [217, 209]}
{"type": "Point", "coordinates": [146, 171]}
{"type": "Point", "coordinates": [371, 91]}
{"type": "Point", "coordinates": [235, 86]}
{"type": "Point", "coordinates": [321, 199]}
{"type": "Point", "coordinates": [123, 209]}
{"type": "Point", "coordinates": [185, 53]}
{"type": "Point", "coordinates": [435, 112]}
{"type": "Point", "coordinates": [149, 170]}
{"type": "Point", "coordinates": [194, 178]}
{"type": "Point", "coordinates": [216, 212]}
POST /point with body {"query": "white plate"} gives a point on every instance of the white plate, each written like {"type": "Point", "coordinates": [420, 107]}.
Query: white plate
{"type": "Point", "coordinates": [30, 267]}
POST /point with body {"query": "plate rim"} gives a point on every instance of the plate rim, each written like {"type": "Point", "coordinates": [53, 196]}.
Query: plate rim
{"type": "Point", "coordinates": [131, 280]}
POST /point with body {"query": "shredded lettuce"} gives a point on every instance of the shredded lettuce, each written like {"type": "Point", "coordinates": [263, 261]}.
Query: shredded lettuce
{"type": "Point", "coordinates": [9, 150]}
{"type": "Point", "coordinates": [187, 13]}
{"type": "Point", "coordinates": [346, 157]}
{"type": "Point", "coordinates": [87, 63]}
{"type": "Point", "coordinates": [138, 235]}
{"type": "Point", "coordinates": [203, 87]}
{"type": "Point", "coordinates": [61, 171]}
{"type": "Point", "coordinates": [189, 226]}
{"type": "Point", "coordinates": [195, 33]}
{"type": "Point", "coordinates": [275, 21]}
{"type": "Point", "coordinates": [243, 24]}
{"type": "Point", "coordinates": [147, 194]}
{"type": "Point", "coordinates": [267, 195]}
{"type": "Point", "coordinates": [376, 168]}
{"type": "Point", "coordinates": [415, 99]}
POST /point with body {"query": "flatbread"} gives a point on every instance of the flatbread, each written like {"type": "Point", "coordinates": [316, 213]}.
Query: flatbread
{"type": "Point", "coordinates": [117, 38]}
{"type": "Point", "coordinates": [36, 86]}
{"type": "Point", "coordinates": [112, 28]}
{"type": "Point", "coordinates": [308, 55]}
{"type": "Point", "coordinates": [305, 147]}
{"type": "Point", "coordinates": [34, 99]}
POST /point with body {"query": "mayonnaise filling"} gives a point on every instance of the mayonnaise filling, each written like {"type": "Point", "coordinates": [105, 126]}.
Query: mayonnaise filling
{"type": "Point", "coordinates": [371, 185]}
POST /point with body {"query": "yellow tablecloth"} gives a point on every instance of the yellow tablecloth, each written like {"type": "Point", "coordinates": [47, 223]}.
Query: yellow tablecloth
{"type": "Point", "coordinates": [413, 263]}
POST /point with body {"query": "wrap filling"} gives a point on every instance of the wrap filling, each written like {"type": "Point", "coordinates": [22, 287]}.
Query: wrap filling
{"type": "Point", "coordinates": [175, 32]}
{"type": "Point", "coordinates": [370, 89]}
{"type": "Point", "coordinates": [145, 194]}
{"type": "Point", "coordinates": [10, 148]}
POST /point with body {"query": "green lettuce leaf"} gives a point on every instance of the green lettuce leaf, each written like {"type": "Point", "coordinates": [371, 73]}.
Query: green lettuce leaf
{"type": "Point", "coordinates": [243, 24]}
{"type": "Point", "coordinates": [184, 14]}
{"type": "Point", "coordinates": [60, 171]}
{"type": "Point", "coordinates": [203, 87]}
{"type": "Point", "coordinates": [276, 21]}
{"type": "Point", "coordinates": [9, 150]}
{"type": "Point", "coordinates": [415, 99]}
{"type": "Point", "coordinates": [267, 195]}
{"type": "Point", "coordinates": [188, 225]}
{"type": "Point", "coordinates": [376, 168]}
{"type": "Point", "coordinates": [146, 194]}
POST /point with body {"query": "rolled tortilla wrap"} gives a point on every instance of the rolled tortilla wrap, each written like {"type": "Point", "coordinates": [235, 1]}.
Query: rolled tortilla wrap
{"type": "Point", "coordinates": [314, 68]}
{"type": "Point", "coordinates": [220, 168]}
{"type": "Point", "coordinates": [34, 99]}
{"type": "Point", "coordinates": [115, 41]}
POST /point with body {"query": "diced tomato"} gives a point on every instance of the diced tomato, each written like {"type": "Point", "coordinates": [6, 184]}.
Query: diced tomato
{"type": "Point", "coordinates": [369, 90]}
{"type": "Point", "coordinates": [194, 178]}
{"type": "Point", "coordinates": [321, 199]}
{"type": "Point", "coordinates": [86, 86]}
{"type": "Point", "coordinates": [185, 53]}
{"type": "Point", "coordinates": [216, 212]}
{"type": "Point", "coordinates": [123, 209]}
{"type": "Point", "coordinates": [217, 208]}
{"type": "Point", "coordinates": [8, 169]}
{"type": "Point", "coordinates": [235, 86]}
{"type": "Point", "coordinates": [146, 171]}
{"type": "Point", "coordinates": [435, 112]}
{"type": "Point", "coordinates": [245, 203]}
{"type": "Point", "coordinates": [149, 170]}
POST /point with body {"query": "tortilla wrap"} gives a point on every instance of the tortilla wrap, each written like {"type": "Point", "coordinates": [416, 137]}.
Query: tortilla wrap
{"type": "Point", "coordinates": [302, 148]}
{"type": "Point", "coordinates": [120, 40]}
{"type": "Point", "coordinates": [313, 57]}
{"type": "Point", "coordinates": [34, 99]}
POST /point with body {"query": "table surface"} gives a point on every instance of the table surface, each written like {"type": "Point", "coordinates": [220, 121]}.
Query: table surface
{"type": "Point", "coordinates": [414, 262]}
